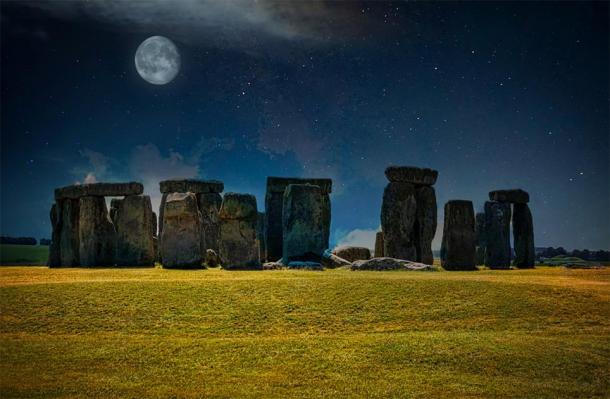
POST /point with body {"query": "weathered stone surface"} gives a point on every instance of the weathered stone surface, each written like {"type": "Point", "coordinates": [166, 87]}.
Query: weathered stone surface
{"type": "Point", "coordinates": [326, 216]}
{"type": "Point", "coordinates": [97, 237]}
{"type": "Point", "coordinates": [303, 224]}
{"type": "Point", "coordinates": [398, 214]}
{"type": "Point", "coordinates": [211, 258]}
{"type": "Point", "coordinates": [332, 261]}
{"type": "Point", "coordinates": [459, 237]}
{"type": "Point", "coordinates": [133, 222]}
{"type": "Point", "coordinates": [209, 206]}
{"type": "Point", "coordinates": [191, 186]}
{"type": "Point", "coordinates": [260, 235]}
{"type": "Point", "coordinates": [480, 231]}
{"type": "Point", "coordinates": [238, 245]}
{"type": "Point", "coordinates": [523, 232]}
{"type": "Point", "coordinates": [272, 266]}
{"type": "Point", "coordinates": [115, 204]}
{"type": "Point", "coordinates": [153, 223]}
{"type": "Point", "coordinates": [352, 254]}
{"type": "Point", "coordinates": [497, 234]}
{"type": "Point", "coordinates": [54, 249]}
{"type": "Point", "coordinates": [161, 213]}
{"type": "Point", "coordinates": [425, 223]}
{"type": "Point", "coordinates": [180, 245]}
{"type": "Point", "coordinates": [305, 265]}
{"type": "Point", "coordinates": [99, 190]}
{"type": "Point", "coordinates": [379, 245]}
{"type": "Point", "coordinates": [274, 200]}
{"type": "Point", "coordinates": [516, 196]}
{"type": "Point", "coordinates": [411, 174]}
{"type": "Point", "coordinates": [69, 234]}
{"type": "Point", "coordinates": [390, 264]}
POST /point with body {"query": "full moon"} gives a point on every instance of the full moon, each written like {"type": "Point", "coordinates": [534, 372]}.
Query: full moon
{"type": "Point", "coordinates": [157, 60]}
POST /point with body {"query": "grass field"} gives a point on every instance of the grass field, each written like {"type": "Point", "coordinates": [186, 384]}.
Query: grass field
{"type": "Point", "coordinates": [23, 254]}
{"type": "Point", "coordinates": [137, 333]}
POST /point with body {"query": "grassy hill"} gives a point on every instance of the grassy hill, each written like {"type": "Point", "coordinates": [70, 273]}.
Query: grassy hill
{"type": "Point", "coordinates": [542, 333]}
{"type": "Point", "coordinates": [11, 254]}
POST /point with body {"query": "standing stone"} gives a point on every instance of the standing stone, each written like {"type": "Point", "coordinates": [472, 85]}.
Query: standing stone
{"type": "Point", "coordinates": [274, 200]}
{"type": "Point", "coordinates": [515, 196]}
{"type": "Point", "coordinates": [54, 248]}
{"type": "Point", "coordinates": [425, 223]}
{"type": "Point", "coordinates": [153, 223]}
{"type": "Point", "coordinates": [97, 236]}
{"type": "Point", "coordinates": [69, 233]}
{"type": "Point", "coordinates": [379, 245]}
{"type": "Point", "coordinates": [209, 206]}
{"type": "Point", "coordinates": [497, 233]}
{"type": "Point", "coordinates": [351, 253]}
{"type": "Point", "coordinates": [134, 227]}
{"type": "Point", "coordinates": [523, 232]}
{"type": "Point", "coordinates": [115, 204]}
{"type": "Point", "coordinates": [480, 230]}
{"type": "Point", "coordinates": [459, 237]}
{"type": "Point", "coordinates": [162, 213]}
{"type": "Point", "coordinates": [303, 231]}
{"type": "Point", "coordinates": [398, 213]}
{"type": "Point", "coordinates": [155, 237]}
{"type": "Point", "coordinates": [260, 235]}
{"type": "Point", "coordinates": [181, 235]}
{"type": "Point", "coordinates": [238, 245]}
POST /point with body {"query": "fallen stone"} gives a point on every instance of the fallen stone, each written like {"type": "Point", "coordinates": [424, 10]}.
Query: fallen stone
{"type": "Point", "coordinates": [332, 261]}
{"type": "Point", "coordinates": [272, 266]}
{"type": "Point", "coordinates": [238, 246]}
{"type": "Point", "coordinates": [459, 237]}
{"type": "Point", "coordinates": [191, 186]}
{"type": "Point", "coordinates": [398, 213]}
{"type": "Point", "coordinates": [411, 174]}
{"type": "Point", "coordinates": [425, 223]}
{"type": "Point", "coordinates": [180, 245]}
{"type": "Point", "coordinates": [497, 235]}
{"type": "Point", "coordinates": [211, 258]}
{"type": "Point", "coordinates": [133, 222]}
{"type": "Point", "coordinates": [99, 190]}
{"type": "Point", "coordinates": [351, 254]}
{"type": "Point", "coordinates": [97, 237]}
{"type": "Point", "coordinates": [304, 265]}
{"type": "Point", "coordinates": [303, 224]}
{"type": "Point", "coordinates": [523, 233]}
{"type": "Point", "coordinates": [379, 245]}
{"type": "Point", "coordinates": [390, 264]}
{"type": "Point", "coordinates": [516, 196]}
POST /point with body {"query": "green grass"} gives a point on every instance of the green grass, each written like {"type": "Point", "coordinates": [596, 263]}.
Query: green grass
{"type": "Point", "coordinates": [542, 333]}
{"type": "Point", "coordinates": [11, 254]}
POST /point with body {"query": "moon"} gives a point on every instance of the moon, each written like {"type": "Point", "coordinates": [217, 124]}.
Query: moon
{"type": "Point", "coordinates": [157, 60]}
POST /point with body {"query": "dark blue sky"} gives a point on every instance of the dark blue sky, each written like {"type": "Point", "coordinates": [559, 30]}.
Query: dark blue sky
{"type": "Point", "coordinates": [492, 95]}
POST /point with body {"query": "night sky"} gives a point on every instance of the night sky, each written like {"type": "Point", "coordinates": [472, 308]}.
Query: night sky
{"type": "Point", "coordinates": [492, 95]}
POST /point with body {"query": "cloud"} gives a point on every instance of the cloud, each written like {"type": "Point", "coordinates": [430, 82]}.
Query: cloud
{"type": "Point", "coordinates": [97, 167]}
{"type": "Point", "coordinates": [359, 238]}
{"type": "Point", "coordinates": [231, 23]}
{"type": "Point", "coordinates": [90, 178]}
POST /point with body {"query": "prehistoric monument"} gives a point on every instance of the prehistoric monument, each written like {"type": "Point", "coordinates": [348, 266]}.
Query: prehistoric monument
{"type": "Point", "coordinates": [458, 248]}
{"type": "Point", "coordinates": [274, 208]}
{"type": "Point", "coordinates": [199, 227]}
{"type": "Point", "coordinates": [408, 213]}
{"type": "Point", "coordinates": [85, 235]}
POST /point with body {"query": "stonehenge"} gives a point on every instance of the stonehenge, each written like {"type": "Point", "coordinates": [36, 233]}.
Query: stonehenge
{"type": "Point", "coordinates": [199, 227]}
{"type": "Point", "coordinates": [239, 248]}
{"type": "Point", "coordinates": [458, 246]}
{"type": "Point", "coordinates": [85, 232]}
{"type": "Point", "coordinates": [408, 213]}
{"type": "Point", "coordinates": [274, 200]}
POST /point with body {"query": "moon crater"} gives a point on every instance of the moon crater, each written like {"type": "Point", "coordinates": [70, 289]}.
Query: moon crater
{"type": "Point", "coordinates": [157, 60]}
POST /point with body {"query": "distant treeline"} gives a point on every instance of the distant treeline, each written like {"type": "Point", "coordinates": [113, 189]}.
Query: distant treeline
{"type": "Point", "coordinates": [23, 240]}
{"type": "Point", "coordinates": [585, 254]}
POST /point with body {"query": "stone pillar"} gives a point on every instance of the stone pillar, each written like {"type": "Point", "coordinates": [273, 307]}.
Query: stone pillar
{"type": "Point", "coordinates": [69, 245]}
{"type": "Point", "coordinates": [115, 204]}
{"type": "Point", "coordinates": [480, 230]}
{"type": "Point", "coordinates": [379, 245]}
{"type": "Point", "coordinates": [408, 213]}
{"type": "Point", "coordinates": [97, 237]}
{"type": "Point", "coordinates": [54, 248]}
{"type": "Point", "coordinates": [303, 224]}
{"type": "Point", "coordinates": [497, 233]}
{"type": "Point", "coordinates": [161, 212]}
{"type": "Point", "coordinates": [274, 201]}
{"type": "Point", "coordinates": [133, 222]}
{"type": "Point", "coordinates": [523, 233]}
{"type": "Point", "coordinates": [209, 206]}
{"type": "Point", "coordinates": [180, 245]}
{"type": "Point", "coordinates": [459, 237]}
{"type": "Point", "coordinates": [260, 235]}
{"type": "Point", "coordinates": [238, 245]}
